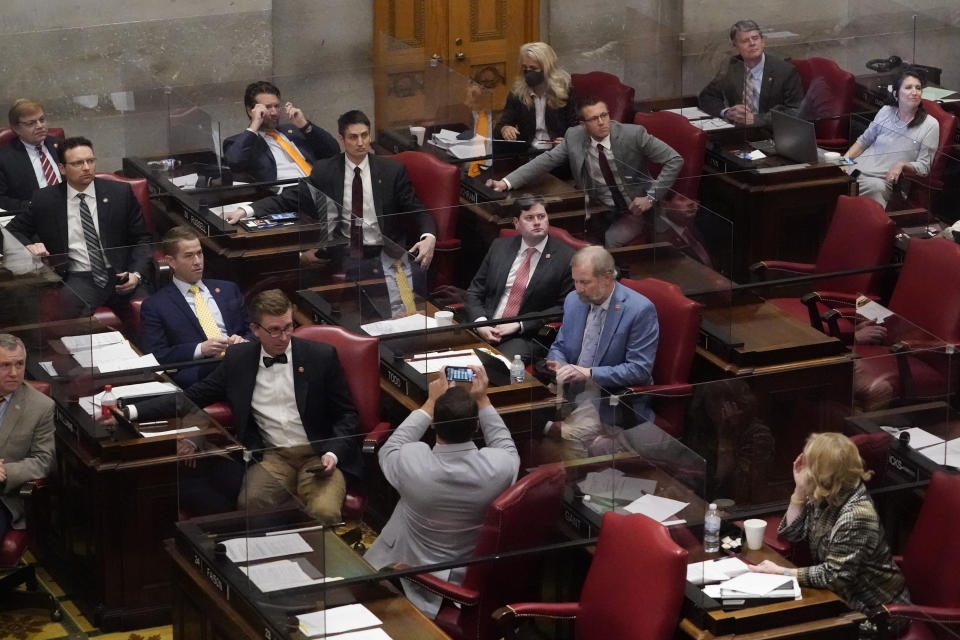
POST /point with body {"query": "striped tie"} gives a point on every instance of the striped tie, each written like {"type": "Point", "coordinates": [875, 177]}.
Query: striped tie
{"type": "Point", "coordinates": [204, 315]}
{"type": "Point", "coordinates": [98, 266]}
{"type": "Point", "coordinates": [749, 94]}
{"type": "Point", "coordinates": [591, 338]}
{"type": "Point", "coordinates": [403, 286]}
{"type": "Point", "coordinates": [49, 174]}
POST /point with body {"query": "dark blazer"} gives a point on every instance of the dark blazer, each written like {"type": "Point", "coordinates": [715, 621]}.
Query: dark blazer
{"type": "Point", "coordinates": [781, 87]}
{"type": "Point", "coordinates": [17, 179]}
{"type": "Point", "coordinates": [249, 153]}
{"type": "Point", "coordinates": [320, 385]}
{"type": "Point", "coordinates": [169, 329]}
{"type": "Point", "coordinates": [524, 118]}
{"type": "Point", "coordinates": [123, 232]}
{"type": "Point", "coordinates": [546, 290]}
{"type": "Point", "coordinates": [392, 194]}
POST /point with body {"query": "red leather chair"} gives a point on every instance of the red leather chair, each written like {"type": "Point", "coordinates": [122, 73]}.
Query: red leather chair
{"type": "Point", "coordinates": [437, 184]}
{"type": "Point", "coordinates": [687, 140]}
{"type": "Point", "coordinates": [861, 235]}
{"type": "Point", "coordinates": [617, 96]}
{"type": "Point", "coordinates": [8, 135]}
{"type": "Point", "coordinates": [555, 232]}
{"type": "Point", "coordinates": [830, 90]}
{"type": "Point", "coordinates": [141, 191]}
{"type": "Point", "coordinates": [925, 191]}
{"type": "Point", "coordinates": [679, 319]}
{"type": "Point", "coordinates": [522, 517]}
{"type": "Point", "coordinates": [634, 587]}
{"type": "Point", "coordinates": [929, 564]}
{"type": "Point", "coordinates": [12, 547]}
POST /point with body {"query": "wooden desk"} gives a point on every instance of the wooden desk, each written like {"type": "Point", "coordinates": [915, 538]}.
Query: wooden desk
{"type": "Point", "coordinates": [666, 262]}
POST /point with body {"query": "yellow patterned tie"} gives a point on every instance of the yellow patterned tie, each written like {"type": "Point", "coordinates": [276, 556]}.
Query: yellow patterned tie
{"type": "Point", "coordinates": [291, 151]}
{"type": "Point", "coordinates": [482, 129]}
{"type": "Point", "coordinates": [204, 315]}
{"type": "Point", "coordinates": [403, 286]}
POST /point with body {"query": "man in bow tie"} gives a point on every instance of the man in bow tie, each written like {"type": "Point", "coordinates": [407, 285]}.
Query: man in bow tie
{"type": "Point", "coordinates": [292, 410]}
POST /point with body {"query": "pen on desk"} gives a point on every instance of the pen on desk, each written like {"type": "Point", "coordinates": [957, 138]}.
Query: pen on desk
{"type": "Point", "coordinates": [439, 354]}
{"type": "Point", "coordinates": [152, 423]}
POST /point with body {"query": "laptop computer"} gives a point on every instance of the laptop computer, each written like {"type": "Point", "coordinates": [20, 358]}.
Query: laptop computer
{"type": "Point", "coordinates": [794, 138]}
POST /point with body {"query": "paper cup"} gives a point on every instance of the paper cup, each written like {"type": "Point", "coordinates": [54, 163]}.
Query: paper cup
{"type": "Point", "coordinates": [754, 529]}
{"type": "Point", "coordinates": [443, 318]}
{"type": "Point", "coordinates": [831, 156]}
{"type": "Point", "coordinates": [419, 133]}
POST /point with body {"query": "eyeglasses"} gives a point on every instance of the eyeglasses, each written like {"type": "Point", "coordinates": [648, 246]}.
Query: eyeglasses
{"type": "Point", "coordinates": [30, 124]}
{"type": "Point", "coordinates": [600, 117]}
{"type": "Point", "coordinates": [76, 164]}
{"type": "Point", "coordinates": [277, 333]}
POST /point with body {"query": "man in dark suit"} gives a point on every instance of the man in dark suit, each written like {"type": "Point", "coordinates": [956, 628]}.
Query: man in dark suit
{"type": "Point", "coordinates": [191, 318]}
{"type": "Point", "coordinates": [267, 151]}
{"type": "Point", "coordinates": [30, 161]}
{"type": "Point", "coordinates": [521, 274]}
{"type": "Point", "coordinates": [26, 432]}
{"type": "Point", "coordinates": [752, 82]}
{"type": "Point", "coordinates": [93, 233]}
{"type": "Point", "coordinates": [291, 404]}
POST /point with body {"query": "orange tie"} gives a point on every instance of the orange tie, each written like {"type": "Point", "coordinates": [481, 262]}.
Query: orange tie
{"type": "Point", "coordinates": [292, 151]}
{"type": "Point", "coordinates": [482, 129]}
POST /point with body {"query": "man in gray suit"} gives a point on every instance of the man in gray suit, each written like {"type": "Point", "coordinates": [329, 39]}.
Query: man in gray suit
{"type": "Point", "coordinates": [618, 176]}
{"type": "Point", "coordinates": [444, 491]}
{"type": "Point", "coordinates": [26, 432]}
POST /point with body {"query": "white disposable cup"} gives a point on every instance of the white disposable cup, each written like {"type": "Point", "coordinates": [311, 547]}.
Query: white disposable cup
{"type": "Point", "coordinates": [831, 156]}
{"type": "Point", "coordinates": [754, 528]}
{"type": "Point", "coordinates": [419, 132]}
{"type": "Point", "coordinates": [443, 318]}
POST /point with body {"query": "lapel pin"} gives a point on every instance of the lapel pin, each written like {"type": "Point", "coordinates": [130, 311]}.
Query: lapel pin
{"type": "Point", "coordinates": [616, 307]}
{"type": "Point", "coordinates": [547, 256]}
{"type": "Point", "coordinates": [106, 200]}
{"type": "Point", "coordinates": [216, 289]}
{"type": "Point", "coordinates": [300, 369]}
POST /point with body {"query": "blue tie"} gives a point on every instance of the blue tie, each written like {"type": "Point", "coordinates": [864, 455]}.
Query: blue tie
{"type": "Point", "coordinates": [591, 337]}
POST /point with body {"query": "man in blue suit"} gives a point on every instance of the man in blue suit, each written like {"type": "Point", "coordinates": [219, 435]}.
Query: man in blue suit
{"type": "Point", "coordinates": [608, 341]}
{"type": "Point", "coordinates": [191, 318]}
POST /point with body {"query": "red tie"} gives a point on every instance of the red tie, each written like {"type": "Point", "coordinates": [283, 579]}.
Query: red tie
{"type": "Point", "coordinates": [48, 172]}
{"type": "Point", "coordinates": [696, 246]}
{"type": "Point", "coordinates": [519, 286]}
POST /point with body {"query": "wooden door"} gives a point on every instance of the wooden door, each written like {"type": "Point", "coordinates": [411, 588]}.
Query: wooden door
{"type": "Point", "coordinates": [426, 50]}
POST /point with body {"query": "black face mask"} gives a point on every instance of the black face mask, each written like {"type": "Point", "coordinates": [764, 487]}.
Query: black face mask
{"type": "Point", "coordinates": [533, 78]}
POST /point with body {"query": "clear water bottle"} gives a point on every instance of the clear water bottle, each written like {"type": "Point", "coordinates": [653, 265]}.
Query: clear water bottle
{"type": "Point", "coordinates": [517, 371]}
{"type": "Point", "coordinates": [711, 529]}
{"type": "Point", "coordinates": [108, 401]}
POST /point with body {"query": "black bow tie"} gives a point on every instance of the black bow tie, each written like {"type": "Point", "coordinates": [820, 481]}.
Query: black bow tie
{"type": "Point", "coordinates": [269, 362]}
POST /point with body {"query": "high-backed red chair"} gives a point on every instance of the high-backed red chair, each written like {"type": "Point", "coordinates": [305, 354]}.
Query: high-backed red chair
{"type": "Point", "coordinates": [679, 319]}
{"type": "Point", "coordinates": [12, 547]}
{"type": "Point", "coordinates": [141, 191]}
{"type": "Point", "coordinates": [925, 191]}
{"type": "Point", "coordinates": [860, 235]}
{"type": "Point", "coordinates": [555, 232]}
{"type": "Point", "coordinates": [687, 140]}
{"type": "Point", "coordinates": [930, 562]}
{"type": "Point", "coordinates": [522, 517]}
{"type": "Point", "coordinates": [634, 588]}
{"type": "Point", "coordinates": [437, 184]}
{"type": "Point", "coordinates": [8, 135]}
{"type": "Point", "coordinates": [829, 89]}
{"type": "Point", "coordinates": [617, 96]}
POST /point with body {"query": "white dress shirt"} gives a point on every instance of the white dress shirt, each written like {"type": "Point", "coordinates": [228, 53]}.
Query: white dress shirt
{"type": "Point", "coordinates": [37, 167]}
{"type": "Point", "coordinates": [371, 228]}
{"type": "Point", "coordinates": [184, 289]}
{"type": "Point", "coordinates": [286, 167]}
{"type": "Point", "coordinates": [274, 403]}
{"type": "Point", "coordinates": [76, 242]}
{"type": "Point", "coordinates": [540, 109]}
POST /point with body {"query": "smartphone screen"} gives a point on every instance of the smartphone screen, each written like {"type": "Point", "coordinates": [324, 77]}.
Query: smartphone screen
{"type": "Point", "coordinates": [289, 215]}
{"type": "Point", "coordinates": [459, 374]}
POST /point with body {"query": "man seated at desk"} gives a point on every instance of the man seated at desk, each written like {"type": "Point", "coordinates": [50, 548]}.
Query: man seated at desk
{"type": "Point", "coordinates": [444, 490]}
{"type": "Point", "coordinates": [93, 232]}
{"type": "Point", "coordinates": [752, 82]}
{"type": "Point", "coordinates": [29, 162]}
{"type": "Point", "coordinates": [291, 404]}
{"type": "Point", "coordinates": [358, 191]}
{"type": "Point", "coordinates": [520, 274]}
{"type": "Point", "coordinates": [26, 432]}
{"type": "Point", "coordinates": [609, 159]}
{"type": "Point", "coordinates": [191, 318]}
{"type": "Point", "coordinates": [265, 150]}
{"type": "Point", "coordinates": [608, 341]}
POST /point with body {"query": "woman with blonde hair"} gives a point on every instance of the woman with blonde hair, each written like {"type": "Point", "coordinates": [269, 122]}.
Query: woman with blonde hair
{"type": "Point", "coordinates": [831, 510]}
{"type": "Point", "coordinates": [540, 106]}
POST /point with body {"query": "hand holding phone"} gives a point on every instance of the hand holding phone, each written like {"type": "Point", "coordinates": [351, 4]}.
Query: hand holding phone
{"type": "Point", "coordinates": [460, 374]}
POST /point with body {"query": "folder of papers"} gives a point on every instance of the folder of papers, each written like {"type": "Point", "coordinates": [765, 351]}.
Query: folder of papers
{"type": "Point", "coordinates": [350, 617]}
{"type": "Point", "coordinates": [263, 547]}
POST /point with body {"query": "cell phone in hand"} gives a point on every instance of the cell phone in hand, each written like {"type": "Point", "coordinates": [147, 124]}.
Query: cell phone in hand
{"type": "Point", "coordinates": [460, 374]}
{"type": "Point", "coordinates": [123, 278]}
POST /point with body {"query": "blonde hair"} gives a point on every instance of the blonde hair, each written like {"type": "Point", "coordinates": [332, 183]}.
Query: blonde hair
{"type": "Point", "coordinates": [835, 466]}
{"type": "Point", "coordinates": [558, 80]}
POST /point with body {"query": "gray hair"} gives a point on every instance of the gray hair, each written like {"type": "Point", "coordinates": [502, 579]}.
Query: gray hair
{"type": "Point", "coordinates": [743, 26]}
{"type": "Point", "coordinates": [9, 342]}
{"type": "Point", "coordinates": [597, 257]}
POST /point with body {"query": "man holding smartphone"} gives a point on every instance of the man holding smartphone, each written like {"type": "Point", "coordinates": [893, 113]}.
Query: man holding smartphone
{"type": "Point", "coordinates": [444, 490]}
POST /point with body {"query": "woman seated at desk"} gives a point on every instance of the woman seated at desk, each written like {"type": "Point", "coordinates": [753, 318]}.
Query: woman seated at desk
{"type": "Point", "coordinates": [540, 105]}
{"type": "Point", "coordinates": [902, 139]}
{"type": "Point", "coordinates": [831, 510]}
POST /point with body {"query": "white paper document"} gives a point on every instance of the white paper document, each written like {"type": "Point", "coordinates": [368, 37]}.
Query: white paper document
{"type": "Point", "coordinates": [91, 404]}
{"type": "Point", "coordinates": [712, 124]}
{"type": "Point", "coordinates": [169, 432]}
{"type": "Point", "coordinates": [222, 209]}
{"type": "Point", "coordinates": [872, 310]}
{"type": "Point", "coordinates": [715, 570]}
{"type": "Point", "coordinates": [367, 634]}
{"type": "Point", "coordinates": [261, 548]}
{"type": "Point", "coordinates": [690, 113]}
{"type": "Point", "coordinates": [89, 341]}
{"type": "Point", "coordinates": [337, 620]}
{"type": "Point", "coordinates": [613, 484]}
{"type": "Point", "coordinates": [186, 181]}
{"type": "Point", "coordinates": [946, 453]}
{"type": "Point", "coordinates": [414, 322]}
{"type": "Point", "coordinates": [756, 584]}
{"type": "Point", "coordinates": [919, 439]}
{"type": "Point", "coordinates": [655, 507]}
{"type": "Point", "coordinates": [284, 574]}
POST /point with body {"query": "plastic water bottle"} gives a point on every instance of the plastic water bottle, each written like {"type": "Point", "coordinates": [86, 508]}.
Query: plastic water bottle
{"type": "Point", "coordinates": [108, 401]}
{"type": "Point", "coordinates": [517, 370]}
{"type": "Point", "coordinates": [711, 530]}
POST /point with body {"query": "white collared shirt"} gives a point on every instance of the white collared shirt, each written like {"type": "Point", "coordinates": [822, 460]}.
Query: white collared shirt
{"type": "Point", "coordinates": [371, 227]}
{"type": "Point", "coordinates": [76, 242]}
{"type": "Point", "coordinates": [274, 403]}
{"type": "Point", "coordinates": [512, 274]}
{"type": "Point", "coordinates": [184, 289]}
{"type": "Point", "coordinates": [540, 109]}
{"type": "Point", "coordinates": [37, 166]}
{"type": "Point", "coordinates": [286, 167]}
{"type": "Point", "coordinates": [602, 191]}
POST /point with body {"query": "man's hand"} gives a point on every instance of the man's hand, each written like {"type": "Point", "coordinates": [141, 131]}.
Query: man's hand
{"type": "Point", "coordinates": [497, 185]}
{"type": "Point", "coordinates": [3, 471]}
{"type": "Point", "coordinates": [325, 468]}
{"type": "Point", "coordinates": [490, 334]}
{"type": "Point", "coordinates": [869, 332]}
{"type": "Point", "coordinates": [295, 115]}
{"type": "Point", "coordinates": [38, 249]}
{"type": "Point", "coordinates": [737, 114]}
{"type": "Point", "coordinates": [235, 339]}
{"type": "Point", "coordinates": [257, 114]}
{"type": "Point", "coordinates": [214, 346]}
{"type": "Point", "coordinates": [567, 373]}
{"type": "Point", "coordinates": [233, 217]}
{"type": "Point", "coordinates": [509, 133]}
{"type": "Point", "coordinates": [187, 448]}
{"type": "Point", "coordinates": [129, 285]}
{"type": "Point", "coordinates": [435, 389]}
{"type": "Point", "coordinates": [424, 250]}
{"type": "Point", "coordinates": [640, 204]}
{"type": "Point", "coordinates": [478, 388]}
{"type": "Point", "coordinates": [507, 329]}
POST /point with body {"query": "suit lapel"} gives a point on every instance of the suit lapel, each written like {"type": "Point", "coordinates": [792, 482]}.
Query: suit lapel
{"type": "Point", "coordinates": [11, 419]}
{"type": "Point", "coordinates": [181, 303]}
{"type": "Point", "coordinates": [376, 185]}
{"type": "Point", "coordinates": [543, 266]}
{"type": "Point", "coordinates": [61, 218]}
{"type": "Point", "coordinates": [611, 323]}
{"type": "Point", "coordinates": [299, 380]}
{"type": "Point", "coordinates": [28, 174]}
{"type": "Point", "coordinates": [337, 186]}
{"type": "Point", "coordinates": [104, 209]}
{"type": "Point", "coordinates": [503, 268]}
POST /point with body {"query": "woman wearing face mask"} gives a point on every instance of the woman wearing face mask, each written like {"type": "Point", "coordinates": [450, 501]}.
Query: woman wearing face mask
{"type": "Point", "coordinates": [540, 105]}
{"type": "Point", "coordinates": [902, 139]}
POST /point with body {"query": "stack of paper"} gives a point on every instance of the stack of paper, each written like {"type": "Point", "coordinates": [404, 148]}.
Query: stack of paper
{"type": "Point", "coordinates": [284, 574]}
{"type": "Point", "coordinates": [415, 322]}
{"type": "Point", "coordinates": [614, 485]}
{"type": "Point", "coordinates": [711, 124]}
{"type": "Point", "coordinates": [91, 404]}
{"type": "Point", "coordinates": [435, 360]}
{"type": "Point", "coordinates": [756, 585]}
{"type": "Point", "coordinates": [350, 617]}
{"type": "Point", "coordinates": [108, 352]}
{"type": "Point", "coordinates": [445, 138]}
{"type": "Point", "coordinates": [660, 509]}
{"type": "Point", "coordinates": [690, 113]}
{"type": "Point", "coordinates": [721, 570]}
{"type": "Point", "coordinates": [263, 547]}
